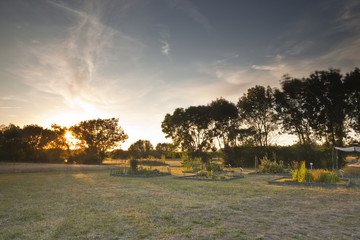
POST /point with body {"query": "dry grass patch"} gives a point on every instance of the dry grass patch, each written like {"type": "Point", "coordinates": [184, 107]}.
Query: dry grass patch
{"type": "Point", "coordinates": [93, 205]}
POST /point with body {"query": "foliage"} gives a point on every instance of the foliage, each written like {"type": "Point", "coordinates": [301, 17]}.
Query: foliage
{"type": "Point", "coordinates": [151, 162]}
{"type": "Point", "coordinates": [325, 176]}
{"type": "Point", "coordinates": [256, 109]}
{"type": "Point", "coordinates": [319, 175]}
{"type": "Point", "coordinates": [190, 130]}
{"type": "Point", "coordinates": [325, 102]}
{"type": "Point", "coordinates": [301, 174]}
{"type": "Point", "coordinates": [32, 143]}
{"type": "Point", "coordinates": [224, 117]}
{"type": "Point", "coordinates": [214, 167]}
{"type": "Point", "coordinates": [134, 164]}
{"type": "Point", "coordinates": [352, 92]}
{"type": "Point", "coordinates": [141, 149]}
{"type": "Point", "coordinates": [244, 156]}
{"type": "Point", "coordinates": [290, 107]}
{"type": "Point", "coordinates": [190, 163]}
{"type": "Point", "coordinates": [268, 166]}
{"type": "Point", "coordinates": [99, 135]}
{"type": "Point", "coordinates": [202, 173]}
{"type": "Point", "coordinates": [119, 154]}
{"type": "Point", "coordinates": [143, 172]}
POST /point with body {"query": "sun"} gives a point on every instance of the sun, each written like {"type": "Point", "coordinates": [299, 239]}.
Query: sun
{"type": "Point", "coordinates": [71, 140]}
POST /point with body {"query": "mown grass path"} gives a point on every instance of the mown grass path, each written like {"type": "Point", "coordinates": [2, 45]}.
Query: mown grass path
{"type": "Point", "coordinates": [94, 205]}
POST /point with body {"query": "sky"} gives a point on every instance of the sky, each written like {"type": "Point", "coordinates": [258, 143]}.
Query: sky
{"type": "Point", "coordinates": [137, 60]}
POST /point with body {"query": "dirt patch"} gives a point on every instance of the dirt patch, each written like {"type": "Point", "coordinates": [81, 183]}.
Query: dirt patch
{"type": "Point", "coordinates": [47, 167]}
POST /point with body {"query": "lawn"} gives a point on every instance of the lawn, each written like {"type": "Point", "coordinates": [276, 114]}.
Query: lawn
{"type": "Point", "coordinates": [94, 205]}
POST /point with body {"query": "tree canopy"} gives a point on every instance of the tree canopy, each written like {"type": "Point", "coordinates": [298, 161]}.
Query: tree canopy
{"type": "Point", "coordinates": [141, 149]}
{"type": "Point", "coordinates": [99, 135]}
{"type": "Point", "coordinates": [256, 109]}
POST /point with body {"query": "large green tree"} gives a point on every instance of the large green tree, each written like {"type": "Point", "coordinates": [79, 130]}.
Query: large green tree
{"type": "Point", "coordinates": [256, 109]}
{"type": "Point", "coordinates": [190, 130]}
{"type": "Point", "coordinates": [99, 135]}
{"type": "Point", "coordinates": [141, 149]}
{"type": "Point", "coordinates": [224, 117]}
{"type": "Point", "coordinates": [290, 102]}
{"type": "Point", "coordinates": [325, 101]}
{"type": "Point", "coordinates": [352, 90]}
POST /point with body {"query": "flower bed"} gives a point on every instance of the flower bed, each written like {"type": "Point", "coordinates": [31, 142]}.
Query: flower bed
{"type": "Point", "coordinates": [345, 182]}
{"type": "Point", "coordinates": [201, 178]}
{"type": "Point", "coordinates": [143, 173]}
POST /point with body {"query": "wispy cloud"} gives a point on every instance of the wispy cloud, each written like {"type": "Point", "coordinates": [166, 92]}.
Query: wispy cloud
{"type": "Point", "coordinates": [165, 48]}
{"type": "Point", "coordinates": [73, 67]}
{"type": "Point", "coordinates": [192, 10]}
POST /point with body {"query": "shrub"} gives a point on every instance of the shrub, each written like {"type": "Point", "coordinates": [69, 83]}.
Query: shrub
{"type": "Point", "coordinates": [329, 177]}
{"type": "Point", "coordinates": [268, 166]}
{"type": "Point", "coordinates": [301, 174]}
{"type": "Point", "coordinates": [202, 173]}
{"type": "Point", "coordinates": [134, 164]}
{"type": "Point", "coordinates": [319, 175]}
{"type": "Point", "coordinates": [151, 163]}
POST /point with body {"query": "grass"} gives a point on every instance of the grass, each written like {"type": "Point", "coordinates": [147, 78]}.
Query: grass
{"type": "Point", "coordinates": [94, 205]}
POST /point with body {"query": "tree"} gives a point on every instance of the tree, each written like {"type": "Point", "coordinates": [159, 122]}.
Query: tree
{"type": "Point", "coordinates": [352, 90]}
{"type": "Point", "coordinates": [224, 117]}
{"type": "Point", "coordinates": [190, 130]}
{"type": "Point", "coordinates": [166, 149]}
{"type": "Point", "coordinates": [326, 105]}
{"type": "Point", "coordinates": [99, 135]}
{"type": "Point", "coordinates": [290, 108]}
{"type": "Point", "coordinates": [35, 138]}
{"type": "Point", "coordinates": [11, 143]}
{"type": "Point", "coordinates": [256, 109]}
{"type": "Point", "coordinates": [141, 149]}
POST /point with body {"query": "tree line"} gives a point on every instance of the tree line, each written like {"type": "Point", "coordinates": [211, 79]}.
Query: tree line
{"type": "Point", "coordinates": [321, 108]}
{"type": "Point", "coordinates": [33, 143]}
{"type": "Point", "coordinates": [95, 140]}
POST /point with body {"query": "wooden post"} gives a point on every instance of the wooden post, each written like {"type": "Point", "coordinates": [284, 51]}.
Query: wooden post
{"type": "Point", "coordinates": [332, 157]}
{"type": "Point", "coordinates": [336, 158]}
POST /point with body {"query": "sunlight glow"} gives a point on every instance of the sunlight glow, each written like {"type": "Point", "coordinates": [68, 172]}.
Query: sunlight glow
{"type": "Point", "coordinates": [72, 141]}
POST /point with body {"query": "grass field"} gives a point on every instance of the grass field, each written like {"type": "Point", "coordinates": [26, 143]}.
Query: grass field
{"type": "Point", "coordinates": [94, 205]}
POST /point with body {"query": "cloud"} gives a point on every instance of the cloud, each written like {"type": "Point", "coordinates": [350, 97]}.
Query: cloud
{"type": "Point", "coordinates": [265, 68]}
{"type": "Point", "coordinates": [165, 49]}
{"type": "Point", "coordinates": [192, 10]}
{"type": "Point", "coordinates": [75, 67]}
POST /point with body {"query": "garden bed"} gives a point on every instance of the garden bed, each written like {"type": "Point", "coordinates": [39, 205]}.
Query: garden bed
{"type": "Point", "coordinates": [195, 177]}
{"type": "Point", "coordinates": [289, 181]}
{"type": "Point", "coordinates": [120, 173]}
{"type": "Point", "coordinates": [270, 174]}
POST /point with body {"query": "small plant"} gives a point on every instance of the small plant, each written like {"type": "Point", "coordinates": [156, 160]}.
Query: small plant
{"type": "Point", "coordinates": [301, 174]}
{"type": "Point", "coordinates": [163, 158]}
{"type": "Point", "coordinates": [202, 173]}
{"type": "Point", "coordinates": [134, 164]}
{"type": "Point", "coordinates": [319, 175]}
{"type": "Point", "coordinates": [268, 166]}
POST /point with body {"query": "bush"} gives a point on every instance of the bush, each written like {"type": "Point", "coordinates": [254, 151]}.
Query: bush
{"type": "Point", "coordinates": [151, 163]}
{"type": "Point", "coordinates": [134, 164]}
{"type": "Point", "coordinates": [268, 166]}
{"type": "Point", "coordinates": [244, 156]}
{"type": "Point", "coordinates": [329, 177]}
{"type": "Point", "coordinates": [202, 173]}
{"type": "Point", "coordinates": [319, 175]}
{"type": "Point", "coordinates": [301, 174]}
